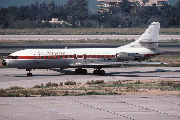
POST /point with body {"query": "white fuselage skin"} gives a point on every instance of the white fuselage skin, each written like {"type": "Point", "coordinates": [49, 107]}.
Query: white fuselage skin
{"type": "Point", "coordinates": [61, 58]}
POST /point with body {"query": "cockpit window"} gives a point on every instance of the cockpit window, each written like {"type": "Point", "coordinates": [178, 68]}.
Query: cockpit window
{"type": "Point", "coordinates": [12, 57]}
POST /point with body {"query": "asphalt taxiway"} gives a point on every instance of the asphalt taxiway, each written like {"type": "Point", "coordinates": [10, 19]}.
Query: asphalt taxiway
{"type": "Point", "coordinates": [80, 37]}
{"type": "Point", "coordinates": [116, 107]}
{"type": "Point", "coordinates": [17, 77]}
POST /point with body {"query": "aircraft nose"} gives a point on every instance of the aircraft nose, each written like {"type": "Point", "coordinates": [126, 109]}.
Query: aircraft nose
{"type": "Point", "coordinates": [4, 63]}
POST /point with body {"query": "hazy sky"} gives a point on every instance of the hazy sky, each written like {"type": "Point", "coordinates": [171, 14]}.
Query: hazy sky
{"type": "Point", "coordinates": [92, 3]}
{"type": "Point", "coordinates": [6, 3]}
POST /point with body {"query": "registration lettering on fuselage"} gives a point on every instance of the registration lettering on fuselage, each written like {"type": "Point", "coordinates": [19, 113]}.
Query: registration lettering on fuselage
{"type": "Point", "coordinates": [55, 53]}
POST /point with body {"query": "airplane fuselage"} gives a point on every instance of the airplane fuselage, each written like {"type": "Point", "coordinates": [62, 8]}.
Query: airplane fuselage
{"type": "Point", "coordinates": [62, 58]}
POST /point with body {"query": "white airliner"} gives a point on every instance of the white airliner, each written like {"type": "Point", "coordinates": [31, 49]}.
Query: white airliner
{"type": "Point", "coordinates": [134, 53]}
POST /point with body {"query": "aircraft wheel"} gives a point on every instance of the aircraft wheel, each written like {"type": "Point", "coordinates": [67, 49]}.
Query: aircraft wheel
{"type": "Point", "coordinates": [84, 71]}
{"type": "Point", "coordinates": [80, 70]}
{"type": "Point", "coordinates": [101, 72]}
{"type": "Point", "coordinates": [95, 72]}
{"type": "Point", "coordinates": [29, 74]}
{"type": "Point", "coordinates": [98, 72]}
{"type": "Point", "coordinates": [77, 71]}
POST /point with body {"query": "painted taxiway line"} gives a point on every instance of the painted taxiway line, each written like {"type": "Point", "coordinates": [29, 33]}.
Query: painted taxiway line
{"type": "Point", "coordinates": [116, 107]}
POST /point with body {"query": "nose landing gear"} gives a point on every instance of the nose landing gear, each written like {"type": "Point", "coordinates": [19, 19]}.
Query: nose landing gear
{"type": "Point", "coordinates": [4, 63]}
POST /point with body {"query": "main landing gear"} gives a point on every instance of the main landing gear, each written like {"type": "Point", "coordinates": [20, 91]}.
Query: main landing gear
{"type": "Point", "coordinates": [95, 72]}
{"type": "Point", "coordinates": [80, 71]}
{"type": "Point", "coordinates": [98, 72]}
{"type": "Point", "coordinates": [29, 74]}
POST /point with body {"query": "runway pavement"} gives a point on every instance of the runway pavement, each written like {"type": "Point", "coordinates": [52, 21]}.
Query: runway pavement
{"type": "Point", "coordinates": [79, 37]}
{"type": "Point", "coordinates": [6, 49]}
{"type": "Point", "coordinates": [17, 77]}
{"type": "Point", "coordinates": [116, 107]}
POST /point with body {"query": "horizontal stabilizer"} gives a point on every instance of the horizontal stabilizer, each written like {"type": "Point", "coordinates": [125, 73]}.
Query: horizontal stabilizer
{"type": "Point", "coordinates": [151, 42]}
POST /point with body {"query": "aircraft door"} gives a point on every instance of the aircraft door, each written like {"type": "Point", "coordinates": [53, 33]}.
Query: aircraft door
{"type": "Point", "coordinates": [37, 57]}
{"type": "Point", "coordinates": [75, 56]}
{"type": "Point", "coordinates": [84, 56]}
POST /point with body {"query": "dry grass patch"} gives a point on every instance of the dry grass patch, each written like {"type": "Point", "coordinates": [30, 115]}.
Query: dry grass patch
{"type": "Point", "coordinates": [126, 87]}
{"type": "Point", "coordinates": [85, 31]}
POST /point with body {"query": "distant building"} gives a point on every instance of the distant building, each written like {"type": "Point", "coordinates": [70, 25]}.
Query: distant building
{"type": "Point", "coordinates": [55, 21]}
{"type": "Point", "coordinates": [106, 4]}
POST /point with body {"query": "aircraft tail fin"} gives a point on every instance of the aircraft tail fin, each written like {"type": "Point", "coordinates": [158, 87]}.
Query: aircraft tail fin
{"type": "Point", "coordinates": [151, 34]}
{"type": "Point", "coordinates": [149, 38]}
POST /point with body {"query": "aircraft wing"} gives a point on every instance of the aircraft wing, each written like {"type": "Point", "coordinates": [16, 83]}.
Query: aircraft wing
{"type": "Point", "coordinates": [101, 64]}
{"type": "Point", "coordinates": [143, 63]}
{"type": "Point", "coordinates": [114, 64]}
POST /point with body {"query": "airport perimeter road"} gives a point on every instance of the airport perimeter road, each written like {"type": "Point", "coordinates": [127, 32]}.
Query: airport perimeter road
{"type": "Point", "coordinates": [80, 37]}
{"type": "Point", "coordinates": [115, 107]}
{"type": "Point", "coordinates": [17, 77]}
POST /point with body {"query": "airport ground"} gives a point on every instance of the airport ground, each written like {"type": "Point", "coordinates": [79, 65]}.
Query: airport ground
{"type": "Point", "coordinates": [17, 77]}
{"type": "Point", "coordinates": [134, 94]}
{"type": "Point", "coordinates": [80, 37]}
{"type": "Point", "coordinates": [137, 104]}
{"type": "Point", "coordinates": [85, 31]}
{"type": "Point", "coordinates": [116, 107]}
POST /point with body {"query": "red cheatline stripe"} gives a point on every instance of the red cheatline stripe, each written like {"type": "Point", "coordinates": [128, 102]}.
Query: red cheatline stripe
{"type": "Point", "coordinates": [65, 56]}
{"type": "Point", "coordinates": [71, 56]}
